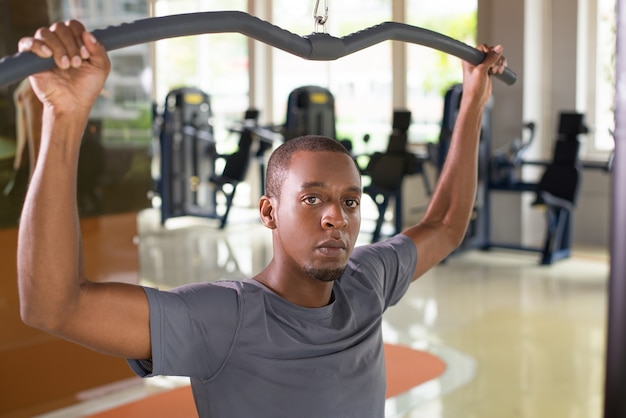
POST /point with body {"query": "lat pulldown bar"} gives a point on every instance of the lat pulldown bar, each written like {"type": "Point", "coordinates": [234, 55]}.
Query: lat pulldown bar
{"type": "Point", "coordinates": [316, 46]}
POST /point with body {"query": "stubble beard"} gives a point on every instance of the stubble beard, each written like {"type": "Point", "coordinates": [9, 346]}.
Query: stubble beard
{"type": "Point", "coordinates": [324, 275]}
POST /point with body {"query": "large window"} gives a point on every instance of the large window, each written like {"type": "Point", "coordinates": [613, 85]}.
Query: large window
{"type": "Point", "coordinates": [360, 82]}
{"type": "Point", "coordinates": [429, 72]}
{"type": "Point", "coordinates": [124, 105]}
{"type": "Point", "coordinates": [605, 76]}
{"type": "Point", "coordinates": [215, 63]}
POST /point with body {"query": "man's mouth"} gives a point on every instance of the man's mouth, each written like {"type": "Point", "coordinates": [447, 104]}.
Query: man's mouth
{"type": "Point", "coordinates": [332, 248]}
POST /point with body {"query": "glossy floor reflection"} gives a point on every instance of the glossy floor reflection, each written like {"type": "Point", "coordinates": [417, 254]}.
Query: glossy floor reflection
{"type": "Point", "coordinates": [537, 333]}
{"type": "Point", "coordinates": [519, 339]}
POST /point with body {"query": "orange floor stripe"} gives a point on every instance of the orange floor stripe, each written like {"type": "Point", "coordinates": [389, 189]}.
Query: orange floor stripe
{"type": "Point", "coordinates": [406, 368]}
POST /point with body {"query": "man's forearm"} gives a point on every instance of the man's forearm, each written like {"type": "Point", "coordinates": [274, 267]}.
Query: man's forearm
{"type": "Point", "coordinates": [49, 253]}
{"type": "Point", "coordinates": [453, 199]}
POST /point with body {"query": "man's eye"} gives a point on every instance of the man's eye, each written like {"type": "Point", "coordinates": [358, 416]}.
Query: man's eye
{"type": "Point", "coordinates": [312, 200]}
{"type": "Point", "coordinates": [352, 203]}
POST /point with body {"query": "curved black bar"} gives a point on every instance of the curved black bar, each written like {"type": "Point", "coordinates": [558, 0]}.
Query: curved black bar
{"type": "Point", "coordinates": [412, 34]}
{"type": "Point", "coordinates": [316, 46]}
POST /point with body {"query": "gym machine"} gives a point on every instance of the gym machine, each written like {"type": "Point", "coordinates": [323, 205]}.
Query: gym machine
{"type": "Point", "coordinates": [506, 163]}
{"type": "Point", "coordinates": [477, 234]}
{"type": "Point", "coordinates": [556, 192]}
{"type": "Point", "coordinates": [310, 111]}
{"type": "Point", "coordinates": [186, 179]}
{"type": "Point", "coordinates": [184, 151]}
{"type": "Point", "coordinates": [235, 164]}
{"type": "Point", "coordinates": [387, 170]}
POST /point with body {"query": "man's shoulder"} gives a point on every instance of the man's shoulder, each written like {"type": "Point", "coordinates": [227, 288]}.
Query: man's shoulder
{"type": "Point", "coordinates": [394, 244]}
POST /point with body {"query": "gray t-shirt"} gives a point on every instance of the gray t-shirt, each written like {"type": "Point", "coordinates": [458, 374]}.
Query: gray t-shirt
{"type": "Point", "coordinates": [252, 354]}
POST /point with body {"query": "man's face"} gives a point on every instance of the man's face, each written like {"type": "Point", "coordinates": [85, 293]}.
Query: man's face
{"type": "Point", "coordinates": [318, 215]}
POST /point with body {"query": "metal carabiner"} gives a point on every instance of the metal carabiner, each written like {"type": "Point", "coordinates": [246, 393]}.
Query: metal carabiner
{"type": "Point", "coordinates": [318, 19]}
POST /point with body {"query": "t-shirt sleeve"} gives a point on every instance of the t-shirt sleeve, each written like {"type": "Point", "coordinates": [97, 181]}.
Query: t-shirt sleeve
{"type": "Point", "coordinates": [391, 263]}
{"type": "Point", "coordinates": [192, 329]}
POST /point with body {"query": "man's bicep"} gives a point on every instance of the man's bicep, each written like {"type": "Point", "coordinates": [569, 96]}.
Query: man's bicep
{"type": "Point", "coordinates": [432, 244]}
{"type": "Point", "coordinates": [111, 318]}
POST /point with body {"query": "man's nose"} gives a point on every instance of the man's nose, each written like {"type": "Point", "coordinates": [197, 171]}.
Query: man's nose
{"type": "Point", "coordinates": [334, 216]}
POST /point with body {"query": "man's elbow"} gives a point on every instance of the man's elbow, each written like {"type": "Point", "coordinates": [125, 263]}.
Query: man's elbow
{"type": "Point", "coordinates": [32, 317]}
{"type": "Point", "coordinates": [34, 314]}
{"type": "Point", "coordinates": [457, 239]}
{"type": "Point", "coordinates": [457, 227]}
{"type": "Point", "coordinates": [455, 236]}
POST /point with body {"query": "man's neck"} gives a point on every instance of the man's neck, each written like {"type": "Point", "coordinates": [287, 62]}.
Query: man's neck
{"type": "Point", "coordinates": [299, 289]}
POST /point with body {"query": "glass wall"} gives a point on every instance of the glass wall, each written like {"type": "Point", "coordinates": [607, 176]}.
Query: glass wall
{"type": "Point", "coordinates": [215, 63]}
{"type": "Point", "coordinates": [124, 106]}
{"type": "Point", "coordinates": [429, 72]}
{"type": "Point", "coordinates": [360, 82]}
{"type": "Point", "coordinates": [605, 76]}
{"type": "Point", "coordinates": [114, 167]}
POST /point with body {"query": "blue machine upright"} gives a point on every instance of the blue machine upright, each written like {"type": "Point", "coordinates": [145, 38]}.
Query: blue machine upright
{"type": "Point", "coordinates": [186, 150]}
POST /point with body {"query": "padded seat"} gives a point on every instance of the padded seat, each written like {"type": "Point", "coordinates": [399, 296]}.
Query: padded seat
{"type": "Point", "coordinates": [235, 170]}
{"type": "Point", "coordinates": [557, 192]}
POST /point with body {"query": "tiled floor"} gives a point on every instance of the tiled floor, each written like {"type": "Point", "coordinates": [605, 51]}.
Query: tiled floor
{"type": "Point", "coordinates": [519, 339]}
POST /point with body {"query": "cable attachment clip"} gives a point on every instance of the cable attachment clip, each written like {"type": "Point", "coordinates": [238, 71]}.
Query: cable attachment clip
{"type": "Point", "coordinates": [319, 20]}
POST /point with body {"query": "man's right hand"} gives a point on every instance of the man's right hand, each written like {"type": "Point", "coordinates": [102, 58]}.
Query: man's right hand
{"type": "Point", "coordinates": [82, 66]}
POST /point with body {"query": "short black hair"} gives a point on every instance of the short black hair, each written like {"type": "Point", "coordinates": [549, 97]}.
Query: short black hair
{"type": "Point", "coordinates": [279, 161]}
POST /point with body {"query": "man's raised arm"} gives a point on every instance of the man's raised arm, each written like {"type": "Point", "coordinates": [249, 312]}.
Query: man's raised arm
{"type": "Point", "coordinates": [443, 226]}
{"type": "Point", "coordinates": [55, 295]}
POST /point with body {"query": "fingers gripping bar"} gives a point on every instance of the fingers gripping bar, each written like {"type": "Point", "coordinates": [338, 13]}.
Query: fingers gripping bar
{"type": "Point", "coordinates": [316, 46]}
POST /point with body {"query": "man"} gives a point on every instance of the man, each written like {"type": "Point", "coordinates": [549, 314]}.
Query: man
{"type": "Point", "coordinates": [303, 337]}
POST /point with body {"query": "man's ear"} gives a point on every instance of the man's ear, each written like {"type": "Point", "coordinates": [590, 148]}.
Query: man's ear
{"type": "Point", "coordinates": [266, 210]}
